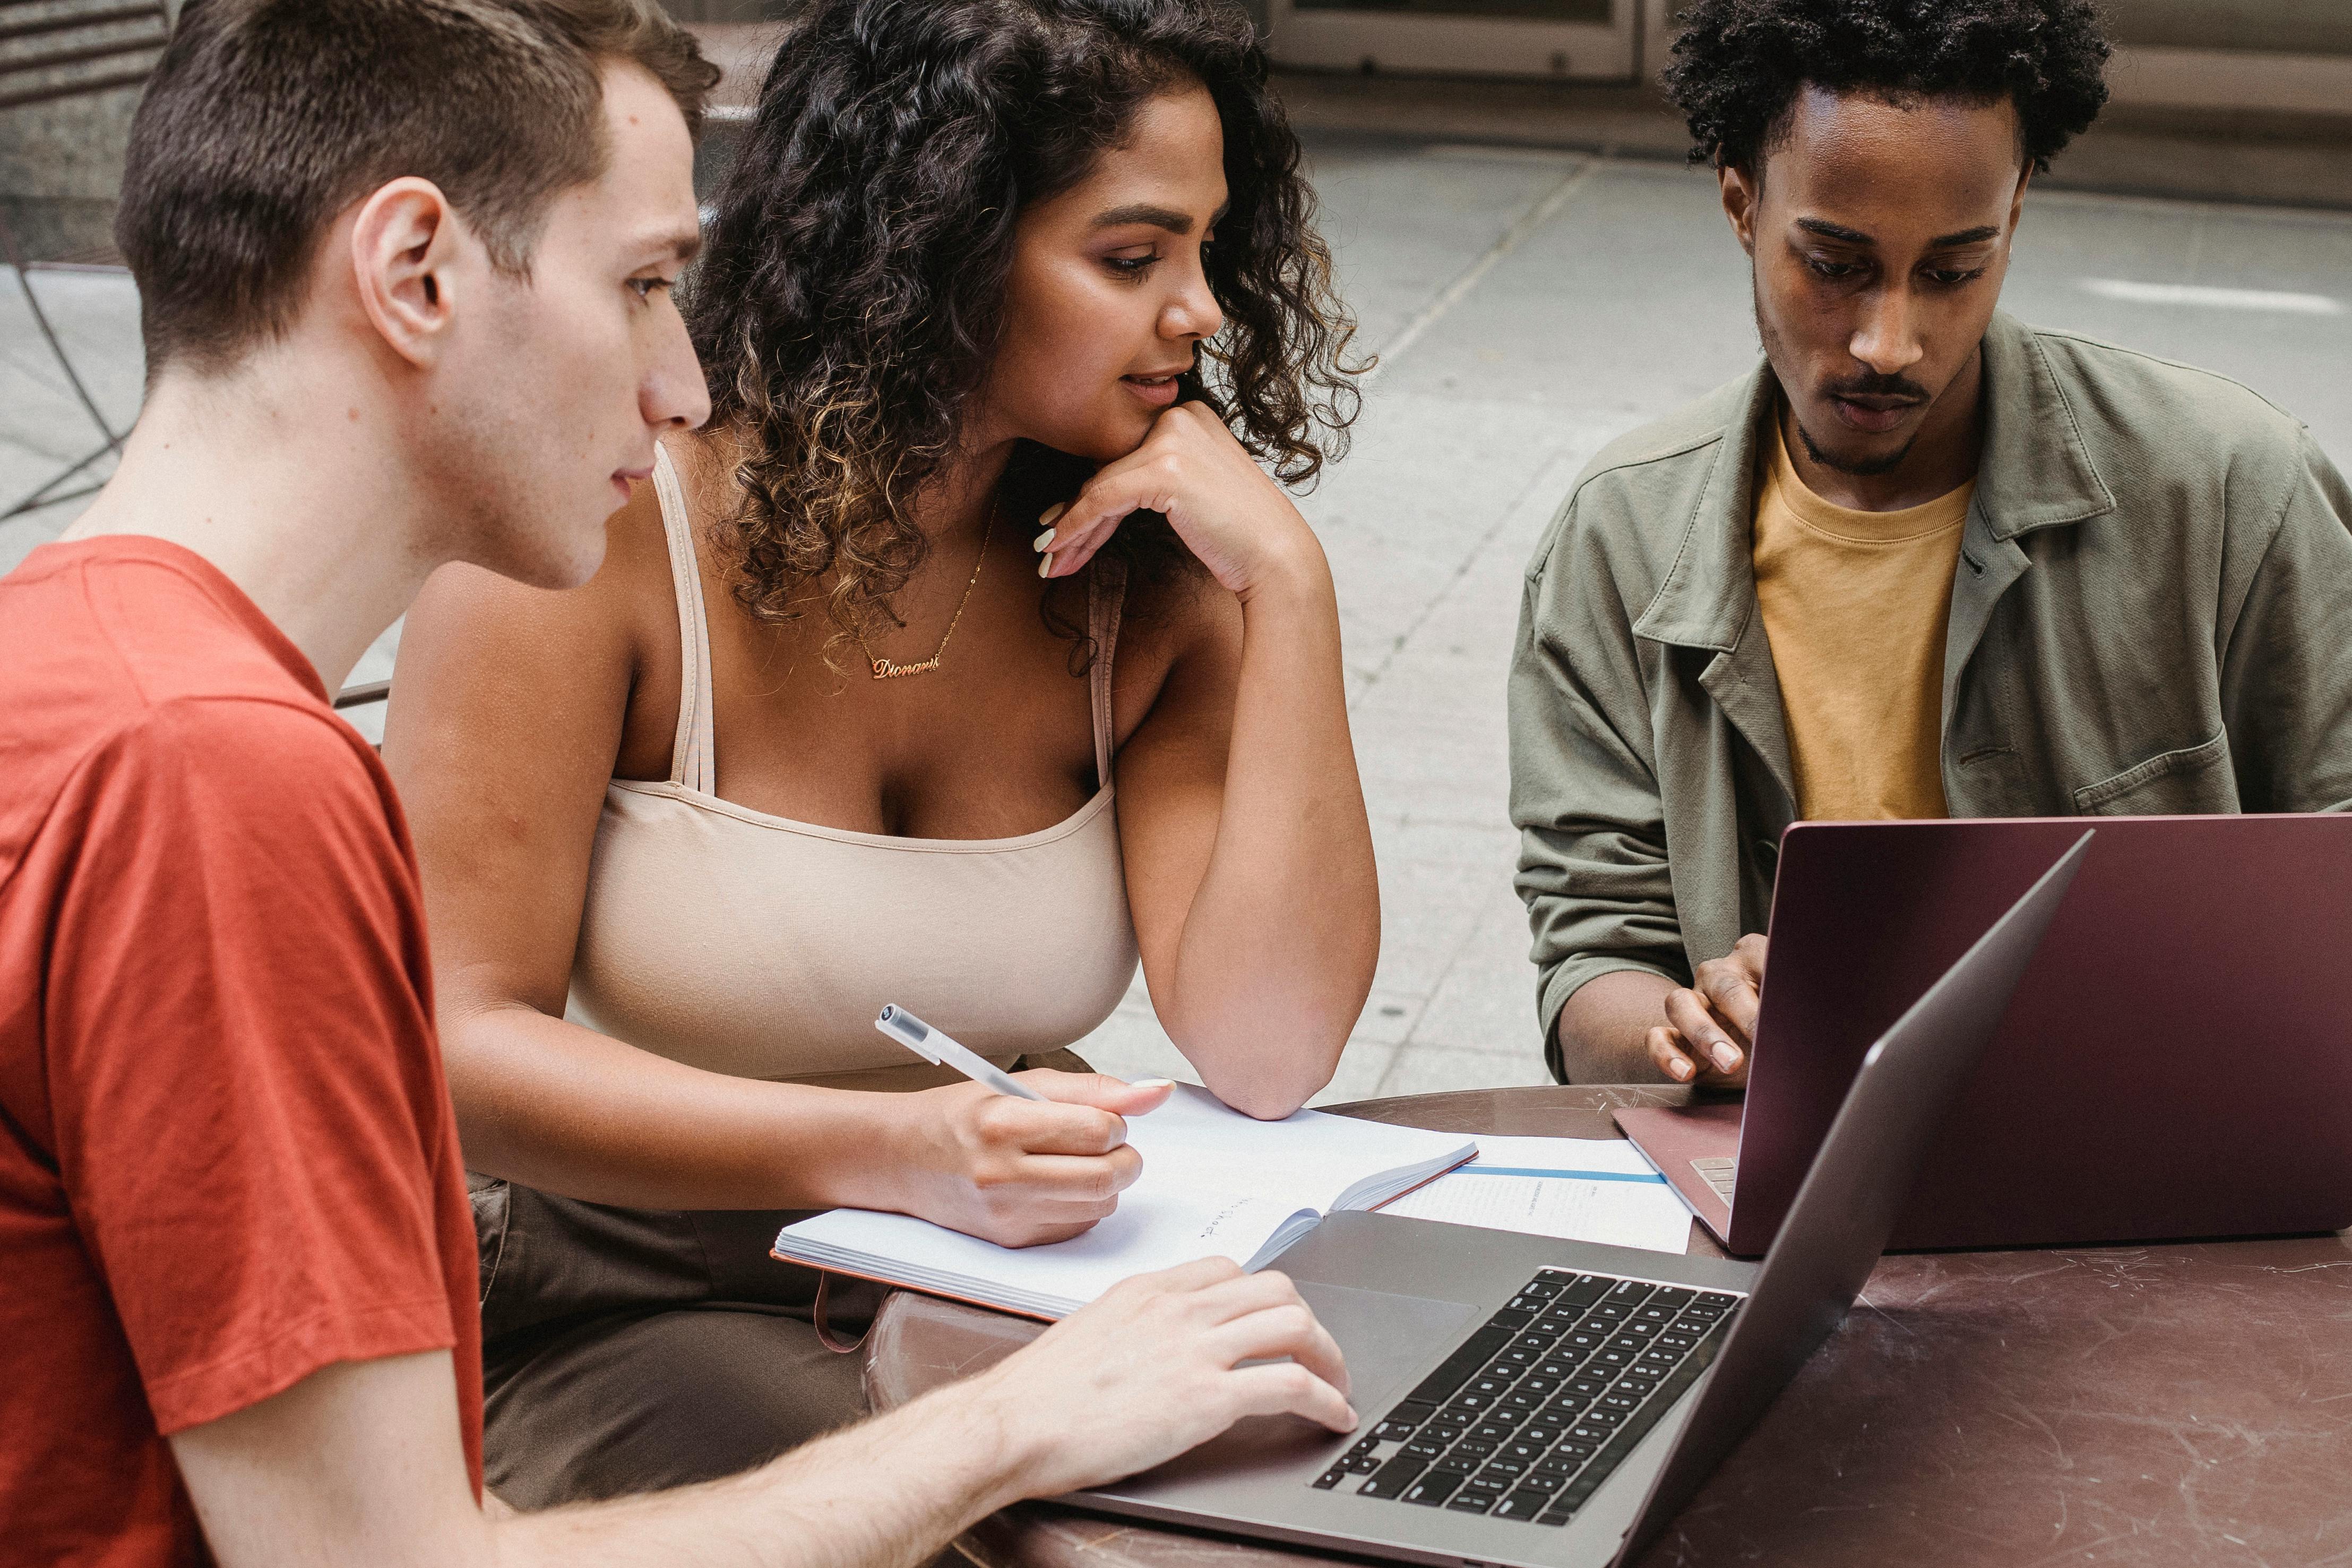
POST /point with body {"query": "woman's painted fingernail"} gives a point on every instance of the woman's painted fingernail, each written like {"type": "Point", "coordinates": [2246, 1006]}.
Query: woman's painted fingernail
{"type": "Point", "coordinates": [1053, 513]}
{"type": "Point", "coordinates": [1153, 1083]}
{"type": "Point", "coordinates": [1679, 1068]}
{"type": "Point", "coordinates": [1046, 566]}
{"type": "Point", "coordinates": [1042, 540]}
{"type": "Point", "coordinates": [1727, 1056]}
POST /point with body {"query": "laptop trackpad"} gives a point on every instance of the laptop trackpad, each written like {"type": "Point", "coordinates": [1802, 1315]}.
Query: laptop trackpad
{"type": "Point", "coordinates": [1385, 1338]}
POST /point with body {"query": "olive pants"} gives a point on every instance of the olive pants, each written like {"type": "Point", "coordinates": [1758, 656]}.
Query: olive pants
{"type": "Point", "coordinates": [636, 1349]}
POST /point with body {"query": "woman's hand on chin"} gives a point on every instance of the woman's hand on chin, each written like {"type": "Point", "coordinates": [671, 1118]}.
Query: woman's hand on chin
{"type": "Point", "coordinates": [1221, 503]}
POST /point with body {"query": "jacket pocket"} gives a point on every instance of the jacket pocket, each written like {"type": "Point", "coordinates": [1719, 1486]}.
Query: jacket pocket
{"type": "Point", "coordinates": [2193, 781]}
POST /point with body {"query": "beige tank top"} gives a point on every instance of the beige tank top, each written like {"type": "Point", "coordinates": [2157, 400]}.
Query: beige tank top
{"type": "Point", "coordinates": [752, 945]}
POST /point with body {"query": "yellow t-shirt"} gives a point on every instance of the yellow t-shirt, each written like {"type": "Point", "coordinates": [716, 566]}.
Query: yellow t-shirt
{"type": "Point", "coordinates": [1855, 604]}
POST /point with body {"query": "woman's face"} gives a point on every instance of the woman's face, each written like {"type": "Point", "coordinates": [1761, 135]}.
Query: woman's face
{"type": "Point", "coordinates": [1106, 296]}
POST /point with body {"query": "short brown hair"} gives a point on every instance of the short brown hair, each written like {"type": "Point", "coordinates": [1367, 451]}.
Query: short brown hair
{"type": "Point", "coordinates": [267, 118]}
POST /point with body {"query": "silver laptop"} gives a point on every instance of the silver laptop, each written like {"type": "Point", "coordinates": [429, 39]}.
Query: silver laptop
{"type": "Point", "coordinates": [1544, 1402]}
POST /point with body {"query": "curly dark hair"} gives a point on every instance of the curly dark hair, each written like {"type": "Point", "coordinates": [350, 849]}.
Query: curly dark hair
{"type": "Point", "coordinates": [849, 297]}
{"type": "Point", "coordinates": [1739, 64]}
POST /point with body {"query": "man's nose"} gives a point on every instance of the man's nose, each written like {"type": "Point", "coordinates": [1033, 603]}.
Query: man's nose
{"type": "Point", "coordinates": [673, 393]}
{"type": "Point", "coordinates": [1887, 338]}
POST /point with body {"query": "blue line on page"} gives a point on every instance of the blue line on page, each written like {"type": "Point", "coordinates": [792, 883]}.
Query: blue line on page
{"type": "Point", "coordinates": [1569, 1175]}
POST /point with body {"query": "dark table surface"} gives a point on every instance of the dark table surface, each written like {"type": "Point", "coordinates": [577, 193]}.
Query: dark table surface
{"type": "Point", "coordinates": [2173, 1405]}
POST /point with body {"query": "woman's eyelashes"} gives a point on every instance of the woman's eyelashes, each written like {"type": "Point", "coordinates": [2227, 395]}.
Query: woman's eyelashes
{"type": "Point", "coordinates": [1132, 264]}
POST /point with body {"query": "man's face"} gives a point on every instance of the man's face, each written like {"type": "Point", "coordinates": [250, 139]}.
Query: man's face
{"type": "Point", "coordinates": [1881, 236]}
{"type": "Point", "coordinates": [557, 398]}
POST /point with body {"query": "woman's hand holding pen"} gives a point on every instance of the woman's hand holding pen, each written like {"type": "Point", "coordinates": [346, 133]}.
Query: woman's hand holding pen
{"type": "Point", "coordinates": [1019, 1173]}
{"type": "Point", "coordinates": [1220, 502]}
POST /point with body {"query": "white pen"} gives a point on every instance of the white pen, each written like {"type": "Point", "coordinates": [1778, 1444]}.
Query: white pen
{"type": "Point", "coordinates": [933, 1046]}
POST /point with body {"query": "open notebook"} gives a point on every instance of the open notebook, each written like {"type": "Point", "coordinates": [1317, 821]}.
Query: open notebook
{"type": "Point", "coordinates": [1215, 1183]}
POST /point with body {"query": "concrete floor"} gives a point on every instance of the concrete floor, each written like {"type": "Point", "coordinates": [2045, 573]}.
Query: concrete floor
{"type": "Point", "coordinates": [1529, 306]}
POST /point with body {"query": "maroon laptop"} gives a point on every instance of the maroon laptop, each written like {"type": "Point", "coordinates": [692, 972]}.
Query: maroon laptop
{"type": "Point", "coordinates": [2176, 1063]}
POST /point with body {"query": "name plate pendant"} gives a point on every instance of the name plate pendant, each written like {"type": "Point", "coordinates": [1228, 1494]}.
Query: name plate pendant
{"type": "Point", "coordinates": [884, 669]}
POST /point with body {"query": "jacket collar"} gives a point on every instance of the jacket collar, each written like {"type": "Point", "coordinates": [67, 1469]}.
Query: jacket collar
{"type": "Point", "coordinates": [2035, 473]}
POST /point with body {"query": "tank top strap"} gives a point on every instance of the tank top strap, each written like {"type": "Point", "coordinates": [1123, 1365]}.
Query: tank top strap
{"type": "Point", "coordinates": [694, 754]}
{"type": "Point", "coordinates": [1106, 599]}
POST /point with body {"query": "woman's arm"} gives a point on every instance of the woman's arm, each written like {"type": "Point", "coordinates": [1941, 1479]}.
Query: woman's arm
{"type": "Point", "coordinates": [1249, 857]}
{"type": "Point", "coordinates": [508, 717]}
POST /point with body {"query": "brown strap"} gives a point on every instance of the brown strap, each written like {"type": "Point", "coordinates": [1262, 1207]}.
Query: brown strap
{"type": "Point", "coordinates": [818, 1317]}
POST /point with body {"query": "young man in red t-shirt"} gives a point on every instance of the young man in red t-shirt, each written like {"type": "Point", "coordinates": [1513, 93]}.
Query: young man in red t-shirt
{"type": "Point", "coordinates": [404, 270]}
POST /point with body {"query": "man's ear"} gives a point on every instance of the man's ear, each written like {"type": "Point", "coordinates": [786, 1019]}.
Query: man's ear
{"type": "Point", "coordinates": [405, 244]}
{"type": "Point", "coordinates": [1742, 192]}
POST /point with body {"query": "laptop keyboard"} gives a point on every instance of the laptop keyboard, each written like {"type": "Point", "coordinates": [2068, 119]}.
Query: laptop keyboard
{"type": "Point", "coordinates": [1531, 1412]}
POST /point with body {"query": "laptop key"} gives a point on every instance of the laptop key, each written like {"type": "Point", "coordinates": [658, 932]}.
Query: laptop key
{"type": "Point", "coordinates": [1511, 1317]}
{"type": "Point", "coordinates": [1425, 1448]}
{"type": "Point", "coordinates": [1522, 1505]}
{"type": "Point", "coordinates": [1359, 1464]}
{"type": "Point", "coordinates": [1458, 1368]}
{"type": "Point", "coordinates": [1587, 1289]}
{"type": "Point", "coordinates": [1330, 1478]}
{"type": "Point", "coordinates": [1392, 1478]}
{"type": "Point", "coordinates": [1433, 1489]}
{"type": "Point", "coordinates": [1472, 1502]}
{"type": "Point", "coordinates": [1630, 1293]}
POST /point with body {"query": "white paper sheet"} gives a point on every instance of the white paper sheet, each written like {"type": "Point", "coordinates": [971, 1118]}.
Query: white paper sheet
{"type": "Point", "coordinates": [1578, 1189]}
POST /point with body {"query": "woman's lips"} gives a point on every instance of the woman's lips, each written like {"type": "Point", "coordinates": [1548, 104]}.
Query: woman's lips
{"type": "Point", "coordinates": [1872, 421]}
{"type": "Point", "coordinates": [1160, 391]}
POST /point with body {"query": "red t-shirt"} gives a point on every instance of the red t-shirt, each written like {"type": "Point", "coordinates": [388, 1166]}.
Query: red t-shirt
{"type": "Point", "coordinates": [227, 1157]}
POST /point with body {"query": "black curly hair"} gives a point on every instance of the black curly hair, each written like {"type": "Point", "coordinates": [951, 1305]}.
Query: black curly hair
{"type": "Point", "coordinates": [1739, 64]}
{"type": "Point", "coordinates": [850, 294]}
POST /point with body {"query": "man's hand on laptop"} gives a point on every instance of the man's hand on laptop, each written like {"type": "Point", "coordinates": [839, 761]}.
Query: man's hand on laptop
{"type": "Point", "coordinates": [1160, 1363]}
{"type": "Point", "coordinates": [359, 1463]}
{"type": "Point", "coordinates": [1710, 1022]}
{"type": "Point", "coordinates": [1016, 1171]}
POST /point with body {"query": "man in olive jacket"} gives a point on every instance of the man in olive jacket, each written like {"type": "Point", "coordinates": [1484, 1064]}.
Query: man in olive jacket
{"type": "Point", "coordinates": [1926, 561]}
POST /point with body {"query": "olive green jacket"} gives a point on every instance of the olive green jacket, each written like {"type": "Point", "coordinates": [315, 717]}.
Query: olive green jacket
{"type": "Point", "coordinates": [2152, 614]}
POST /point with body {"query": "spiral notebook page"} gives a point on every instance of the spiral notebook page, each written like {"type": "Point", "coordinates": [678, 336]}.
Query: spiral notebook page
{"type": "Point", "coordinates": [1215, 1183]}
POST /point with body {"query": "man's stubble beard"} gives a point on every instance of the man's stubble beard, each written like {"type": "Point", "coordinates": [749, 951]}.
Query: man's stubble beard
{"type": "Point", "coordinates": [1875, 468]}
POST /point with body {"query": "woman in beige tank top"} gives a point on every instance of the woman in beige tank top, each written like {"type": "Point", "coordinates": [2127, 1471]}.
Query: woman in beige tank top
{"type": "Point", "coordinates": [838, 721]}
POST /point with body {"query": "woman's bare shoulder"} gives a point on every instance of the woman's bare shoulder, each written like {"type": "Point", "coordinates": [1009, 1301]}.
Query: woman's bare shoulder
{"type": "Point", "coordinates": [482, 652]}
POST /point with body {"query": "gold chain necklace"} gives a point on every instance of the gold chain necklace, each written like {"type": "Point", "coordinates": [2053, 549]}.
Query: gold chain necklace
{"type": "Point", "coordinates": [884, 669]}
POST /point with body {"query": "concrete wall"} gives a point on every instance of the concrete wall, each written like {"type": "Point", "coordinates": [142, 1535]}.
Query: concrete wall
{"type": "Point", "coordinates": [61, 163]}
{"type": "Point", "coordinates": [2269, 26]}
